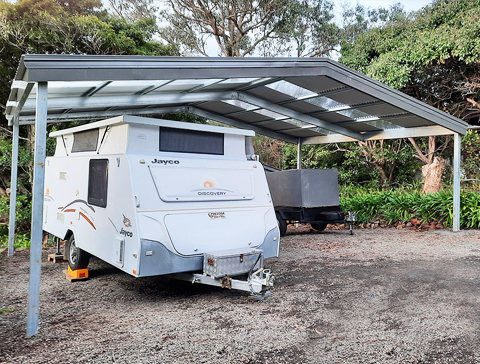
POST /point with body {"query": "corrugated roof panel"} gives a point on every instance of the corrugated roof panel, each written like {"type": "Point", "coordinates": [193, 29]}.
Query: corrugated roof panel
{"type": "Point", "coordinates": [277, 125]}
{"type": "Point", "coordinates": [316, 84]}
{"type": "Point", "coordinates": [220, 107]}
{"type": "Point", "coordinates": [410, 121]}
{"type": "Point", "coordinates": [250, 117]}
{"type": "Point", "coordinates": [303, 133]}
{"type": "Point", "coordinates": [351, 97]}
{"type": "Point", "coordinates": [303, 106]}
{"type": "Point", "coordinates": [380, 109]}
{"type": "Point", "coordinates": [125, 87]}
{"type": "Point", "coordinates": [360, 127]}
{"type": "Point", "coordinates": [269, 94]}
{"type": "Point", "coordinates": [331, 117]}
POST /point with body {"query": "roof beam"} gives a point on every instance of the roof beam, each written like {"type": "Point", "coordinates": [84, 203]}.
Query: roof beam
{"type": "Point", "coordinates": [132, 101]}
{"type": "Point", "coordinates": [298, 115]}
{"type": "Point", "coordinates": [239, 124]}
{"type": "Point", "coordinates": [395, 133]}
{"type": "Point", "coordinates": [98, 115]}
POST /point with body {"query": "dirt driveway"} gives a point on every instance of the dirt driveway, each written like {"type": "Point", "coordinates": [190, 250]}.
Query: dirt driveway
{"type": "Point", "coordinates": [382, 295]}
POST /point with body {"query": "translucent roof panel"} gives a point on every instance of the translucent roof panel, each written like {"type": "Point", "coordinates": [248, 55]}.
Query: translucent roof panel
{"type": "Point", "coordinates": [292, 90]}
{"type": "Point", "coordinates": [76, 88]}
{"type": "Point", "coordinates": [122, 87]}
{"type": "Point", "coordinates": [326, 103]}
{"type": "Point", "coordinates": [240, 104]}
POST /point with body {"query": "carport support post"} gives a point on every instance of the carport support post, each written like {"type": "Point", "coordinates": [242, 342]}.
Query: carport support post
{"type": "Point", "coordinates": [299, 154]}
{"type": "Point", "coordinates": [37, 208]}
{"type": "Point", "coordinates": [13, 189]}
{"type": "Point", "coordinates": [456, 181]}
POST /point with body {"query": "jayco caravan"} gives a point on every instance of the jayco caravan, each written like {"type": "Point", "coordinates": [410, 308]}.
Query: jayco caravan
{"type": "Point", "coordinates": [155, 197]}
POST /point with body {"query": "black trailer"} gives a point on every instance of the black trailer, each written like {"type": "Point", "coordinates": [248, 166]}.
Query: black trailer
{"type": "Point", "coordinates": [306, 196]}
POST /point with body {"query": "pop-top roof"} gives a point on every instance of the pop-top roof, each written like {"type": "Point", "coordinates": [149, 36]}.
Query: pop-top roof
{"type": "Point", "coordinates": [311, 100]}
{"type": "Point", "coordinates": [136, 120]}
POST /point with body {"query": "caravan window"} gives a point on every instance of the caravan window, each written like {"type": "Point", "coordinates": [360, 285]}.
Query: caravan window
{"type": "Point", "coordinates": [191, 141]}
{"type": "Point", "coordinates": [98, 182]}
{"type": "Point", "coordinates": [85, 141]}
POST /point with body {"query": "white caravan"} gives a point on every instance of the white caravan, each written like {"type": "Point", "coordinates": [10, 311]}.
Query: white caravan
{"type": "Point", "coordinates": [155, 197]}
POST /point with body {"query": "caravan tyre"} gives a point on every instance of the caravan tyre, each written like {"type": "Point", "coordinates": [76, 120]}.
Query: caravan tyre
{"type": "Point", "coordinates": [282, 225]}
{"type": "Point", "coordinates": [319, 227]}
{"type": "Point", "coordinates": [77, 258]}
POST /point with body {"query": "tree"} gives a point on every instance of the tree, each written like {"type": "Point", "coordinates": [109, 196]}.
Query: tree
{"type": "Point", "coordinates": [393, 161]}
{"type": "Point", "coordinates": [433, 56]}
{"type": "Point", "coordinates": [247, 27]}
{"type": "Point", "coordinates": [68, 27]}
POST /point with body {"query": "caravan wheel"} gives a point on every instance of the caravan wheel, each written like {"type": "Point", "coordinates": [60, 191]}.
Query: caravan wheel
{"type": "Point", "coordinates": [77, 258]}
{"type": "Point", "coordinates": [319, 227]}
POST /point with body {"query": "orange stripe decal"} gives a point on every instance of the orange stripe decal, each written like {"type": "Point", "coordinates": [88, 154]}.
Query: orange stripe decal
{"type": "Point", "coordinates": [88, 220]}
{"type": "Point", "coordinates": [69, 210]}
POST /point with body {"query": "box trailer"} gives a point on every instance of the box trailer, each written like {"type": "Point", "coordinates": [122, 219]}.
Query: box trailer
{"type": "Point", "coordinates": [306, 196]}
{"type": "Point", "coordinates": [155, 197]}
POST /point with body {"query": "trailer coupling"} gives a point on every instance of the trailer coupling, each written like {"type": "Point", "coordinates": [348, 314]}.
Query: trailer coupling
{"type": "Point", "coordinates": [258, 283]}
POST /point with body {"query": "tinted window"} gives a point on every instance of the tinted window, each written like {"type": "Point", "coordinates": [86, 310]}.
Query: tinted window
{"type": "Point", "coordinates": [190, 141]}
{"type": "Point", "coordinates": [98, 182]}
{"type": "Point", "coordinates": [85, 141]}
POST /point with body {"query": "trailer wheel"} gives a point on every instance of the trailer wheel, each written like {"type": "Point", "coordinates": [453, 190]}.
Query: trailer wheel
{"type": "Point", "coordinates": [282, 225]}
{"type": "Point", "coordinates": [319, 227]}
{"type": "Point", "coordinates": [77, 258]}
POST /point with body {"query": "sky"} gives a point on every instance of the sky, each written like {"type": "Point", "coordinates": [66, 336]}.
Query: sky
{"type": "Point", "coordinates": [409, 5]}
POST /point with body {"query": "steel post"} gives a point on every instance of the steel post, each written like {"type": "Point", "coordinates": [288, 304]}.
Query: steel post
{"type": "Point", "coordinates": [13, 189]}
{"type": "Point", "coordinates": [456, 181]}
{"type": "Point", "coordinates": [37, 208]}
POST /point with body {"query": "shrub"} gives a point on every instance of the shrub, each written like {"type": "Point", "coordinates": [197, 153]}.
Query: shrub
{"type": "Point", "coordinates": [401, 206]}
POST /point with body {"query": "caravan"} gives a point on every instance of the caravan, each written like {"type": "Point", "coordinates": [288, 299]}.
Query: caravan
{"type": "Point", "coordinates": [155, 197]}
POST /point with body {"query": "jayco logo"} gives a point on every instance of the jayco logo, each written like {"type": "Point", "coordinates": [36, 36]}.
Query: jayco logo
{"type": "Point", "coordinates": [165, 161]}
{"type": "Point", "coordinates": [126, 233]}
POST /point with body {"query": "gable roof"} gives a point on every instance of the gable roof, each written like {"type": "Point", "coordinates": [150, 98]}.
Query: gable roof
{"type": "Point", "coordinates": [307, 100]}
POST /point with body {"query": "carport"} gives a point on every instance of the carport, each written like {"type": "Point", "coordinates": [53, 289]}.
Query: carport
{"type": "Point", "coordinates": [301, 101]}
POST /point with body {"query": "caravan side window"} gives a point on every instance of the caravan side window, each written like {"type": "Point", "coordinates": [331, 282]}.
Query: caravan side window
{"type": "Point", "coordinates": [85, 141]}
{"type": "Point", "coordinates": [98, 182]}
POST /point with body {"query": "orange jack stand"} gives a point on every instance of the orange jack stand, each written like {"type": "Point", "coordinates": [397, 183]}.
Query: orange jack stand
{"type": "Point", "coordinates": [76, 275]}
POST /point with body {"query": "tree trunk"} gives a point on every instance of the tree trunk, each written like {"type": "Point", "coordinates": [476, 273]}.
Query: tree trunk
{"type": "Point", "coordinates": [432, 175]}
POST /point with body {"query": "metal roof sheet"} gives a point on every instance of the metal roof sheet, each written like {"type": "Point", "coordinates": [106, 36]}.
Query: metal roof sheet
{"type": "Point", "coordinates": [294, 99]}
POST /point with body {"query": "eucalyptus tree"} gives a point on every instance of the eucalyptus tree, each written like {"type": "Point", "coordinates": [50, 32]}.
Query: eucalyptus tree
{"type": "Point", "coordinates": [238, 28]}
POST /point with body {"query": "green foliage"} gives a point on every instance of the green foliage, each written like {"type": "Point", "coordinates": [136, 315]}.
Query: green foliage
{"type": "Point", "coordinates": [433, 55]}
{"type": "Point", "coordinates": [68, 27]}
{"type": "Point", "coordinates": [376, 164]}
{"type": "Point", "coordinates": [471, 154]}
{"type": "Point", "coordinates": [401, 206]}
{"type": "Point", "coordinates": [24, 212]}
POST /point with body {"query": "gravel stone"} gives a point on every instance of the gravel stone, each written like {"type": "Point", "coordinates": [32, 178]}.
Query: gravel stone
{"type": "Point", "coordinates": [379, 296]}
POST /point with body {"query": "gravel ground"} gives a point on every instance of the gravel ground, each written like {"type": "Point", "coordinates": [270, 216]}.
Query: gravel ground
{"type": "Point", "coordinates": [381, 295]}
